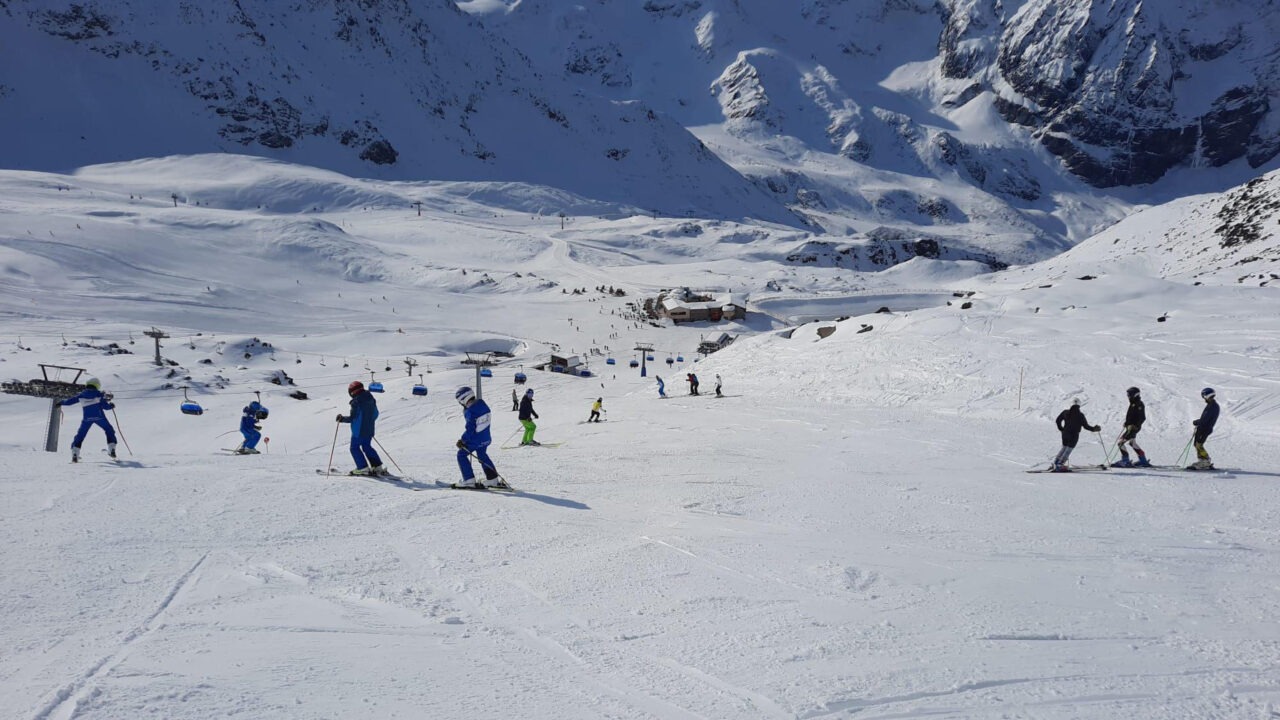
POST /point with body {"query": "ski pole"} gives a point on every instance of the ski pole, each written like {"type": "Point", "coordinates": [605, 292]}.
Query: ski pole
{"type": "Point", "coordinates": [472, 453]}
{"type": "Point", "coordinates": [329, 468]}
{"type": "Point", "coordinates": [1183, 457]}
{"type": "Point", "coordinates": [393, 460]}
{"type": "Point", "coordinates": [225, 433]}
{"type": "Point", "coordinates": [121, 429]}
{"type": "Point", "coordinates": [1106, 456]}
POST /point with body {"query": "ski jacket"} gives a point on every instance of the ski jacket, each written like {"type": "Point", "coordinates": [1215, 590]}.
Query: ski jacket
{"type": "Point", "coordinates": [95, 405]}
{"type": "Point", "coordinates": [1137, 414]}
{"type": "Point", "coordinates": [364, 411]}
{"type": "Point", "coordinates": [253, 412]}
{"type": "Point", "coordinates": [1207, 420]}
{"type": "Point", "coordinates": [478, 418]}
{"type": "Point", "coordinates": [526, 408]}
{"type": "Point", "coordinates": [1070, 421]}
{"type": "Point", "coordinates": [595, 407]}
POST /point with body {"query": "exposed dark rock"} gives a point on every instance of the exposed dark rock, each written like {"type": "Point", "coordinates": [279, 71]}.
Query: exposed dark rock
{"type": "Point", "coordinates": [379, 152]}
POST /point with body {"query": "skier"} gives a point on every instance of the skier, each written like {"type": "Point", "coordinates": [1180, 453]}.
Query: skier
{"type": "Point", "coordinates": [475, 438]}
{"type": "Point", "coordinates": [662, 388]}
{"type": "Point", "coordinates": [719, 384]}
{"type": "Point", "coordinates": [96, 405]}
{"type": "Point", "coordinates": [515, 401]}
{"type": "Point", "coordinates": [527, 414]}
{"type": "Point", "coordinates": [1069, 422]}
{"type": "Point", "coordinates": [1204, 428]}
{"type": "Point", "coordinates": [249, 427]}
{"type": "Point", "coordinates": [595, 410]}
{"type": "Point", "coordinates": [1133, 420]}
{"type": "Point", "coordinates": [695, 383]}
{"type": "Point", "coordinates": [364, 411]}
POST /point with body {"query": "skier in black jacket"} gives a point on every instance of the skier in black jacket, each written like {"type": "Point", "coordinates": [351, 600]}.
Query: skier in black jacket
{"type": "Point", "coordinates": [1133, 420]}
{"type": "Point", "coordinates": [1069, 422]}
{"type": "Point", "coordinates": [1204, 428]}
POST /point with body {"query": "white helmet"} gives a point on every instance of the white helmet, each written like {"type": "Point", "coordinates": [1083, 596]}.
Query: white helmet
{"type": "Point", "coordinates": [94, 383]}
{"type": "Point", "coordinates": [464, 396]}
{"type": "Point", "coordinates": [1076, 402]}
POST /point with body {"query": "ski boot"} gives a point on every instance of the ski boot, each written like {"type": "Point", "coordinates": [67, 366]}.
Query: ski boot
{"type": "Point", "coordinates": [1059, 466]}
{"type": "Point", "coordinates": [361, 472]}
{"type": "Point", "coordinates": [1123, 462]}
{"type": "Point", "coordinates": [111, 451]}
{"type": "Point", "coordinates": [1201, 464]}
{"type": "Point", "coordinates": [1142, 462]}
{"type": "Point", "coordinates": [75, 454]}
{"type": "Point", "coordinates": [378, 470]}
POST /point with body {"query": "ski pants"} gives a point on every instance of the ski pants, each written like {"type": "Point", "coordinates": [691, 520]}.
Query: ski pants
{"type": "Point", "coordinates": [482, 454]}
{"type": "Point", "coordinates": [595, 416]}
{"type": "Point", "coordinates": [251, 438]}
{"type": "Point", "coordinates": [84, 430]}
{"type": "Point", "coordinates": [362, 448]}
{"type": "Point", "coordinates": [1064, 454]}
{"type": "Point", "coordinates": [529, 427]}
{"type": "Point", "coordinates": [1130, 436]}
{"type": "Point", "coordinates": [1200, 438]}
{"type": "Point", "coordinates": [662, 390]}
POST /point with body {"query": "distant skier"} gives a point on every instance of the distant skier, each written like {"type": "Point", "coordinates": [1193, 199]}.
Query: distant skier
{"type": "Point", "coordinates": [719, 384]}
{"type": "Point", "coordinates": [595, 410]}
{"type": "Point", "coordinates": [249, 427]}
{"type": "Point", "coordinates": [364, 412]}
{"type": "Point", "coordinates": [527, 414]}
{"type": "Point", "coordinates": [1069, 422]}
{"type": "Point", "coordinates": [515, 401]}
{"type": "Point", "coordinates": [695, 382]}
{"type": "Point", "coordinates": [1133, 419]}
{"type": "Point", "coordinates": [96, 405]}
{"type": "Point", "coordinates": [475, 438]}
{"type": "Point", "coordinates": [1204, 428]}
{"type": "Point", "coordinates": [662, 388]}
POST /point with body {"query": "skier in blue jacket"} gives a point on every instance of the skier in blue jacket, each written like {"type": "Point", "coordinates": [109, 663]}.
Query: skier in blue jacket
{"type": "Point", "coordinates": [249, 428]}
{"type": "Point", "coordinates": [364, 411]}
{"type": "Point", "coordinates": [475, 439]}
{"type": "Point", "coordinates": [1204, 428]}
{"type": "Point", "coordinates": [96, 405]}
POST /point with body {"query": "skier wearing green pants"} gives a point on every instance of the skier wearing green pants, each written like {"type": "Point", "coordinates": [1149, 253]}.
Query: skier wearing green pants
{"type": "Point", "coordinates": [527, 415]}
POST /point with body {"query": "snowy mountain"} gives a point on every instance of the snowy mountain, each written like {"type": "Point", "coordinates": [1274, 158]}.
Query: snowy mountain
{"type": "Point", "coordinates": [380, 89]}
{"type": "Point", "coordinates": [849, 531]}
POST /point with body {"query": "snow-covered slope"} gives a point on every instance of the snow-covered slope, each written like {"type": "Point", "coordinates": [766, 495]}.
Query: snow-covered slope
{"type": "Point", "coordinates": [848, 532]}
{"type": "Point", "coordinates": [376, 89]}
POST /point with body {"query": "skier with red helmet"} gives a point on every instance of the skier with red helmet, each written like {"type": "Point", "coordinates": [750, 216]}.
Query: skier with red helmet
{"type": "Point", "coordinates": [364, 411]}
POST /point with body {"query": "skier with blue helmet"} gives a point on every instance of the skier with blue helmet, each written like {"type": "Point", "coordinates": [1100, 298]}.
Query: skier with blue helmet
{"type": "Point", "coordinates": [95, 406]}
{"type": "Point", "coordinates": [1204, 428]}
{"type": "Point", "coordinates": [475, 439]}
{"type": "Point", "coordinates": [250, 429]}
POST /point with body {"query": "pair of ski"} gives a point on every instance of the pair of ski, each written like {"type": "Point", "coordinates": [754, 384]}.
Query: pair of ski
{"type": "Point", "coordinates": [411, 484]}
{"type": "Point", "coordinates": [545, 445]}
{"type": "Point", "coordinates": [1100, 468]}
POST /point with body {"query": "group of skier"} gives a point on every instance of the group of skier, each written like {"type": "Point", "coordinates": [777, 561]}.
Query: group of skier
{"type": "Point", "coordinates": [1072, 420]}
{"type": "Point", "coordinates": [692, 379]}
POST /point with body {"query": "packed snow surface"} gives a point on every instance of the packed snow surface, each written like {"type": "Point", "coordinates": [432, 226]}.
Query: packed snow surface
{"type": "Point", "coordinates": [849, 532]}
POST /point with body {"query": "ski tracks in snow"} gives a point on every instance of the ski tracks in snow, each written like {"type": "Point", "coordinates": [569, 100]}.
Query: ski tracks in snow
{"type": "Point", "coordinates": [67, 700]}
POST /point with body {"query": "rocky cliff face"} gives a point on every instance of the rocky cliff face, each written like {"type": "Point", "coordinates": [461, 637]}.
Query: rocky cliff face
{"type": "Point", "coordinates": [1124, 90]}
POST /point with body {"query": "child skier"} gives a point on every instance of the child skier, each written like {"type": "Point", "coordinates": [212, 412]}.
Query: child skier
{"type": "Point", "coordinates": [96, 405]}
{"type": "Point", "coordinates": [475, 438]}
{"type": "Point", "coordinates": [1069, 422]}
{"type": "Point", "coordinates": [527, 414]}
{"type": "Point", "coordinates": [662, 388]}
{"type": "Point", "coordinates": [719, 384]}
{"type": "Point", "coordinates": [595, 410]}
{"type": "Point", "coordinates": [364, 411]}
{"type": "Point", "coordinates": [1204, 428]}
{"type": "Point", "coordinates": [1133, 419]}
{"type": "Point", "coordinates": [249, 427]}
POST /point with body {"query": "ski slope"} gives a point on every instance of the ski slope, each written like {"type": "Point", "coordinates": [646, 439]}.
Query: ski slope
{"type": "Point", "coordinates": [848, 533]}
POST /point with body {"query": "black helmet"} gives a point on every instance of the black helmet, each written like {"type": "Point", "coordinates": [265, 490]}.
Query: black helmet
{"type": "Point", "coordinates": [1132, 392]}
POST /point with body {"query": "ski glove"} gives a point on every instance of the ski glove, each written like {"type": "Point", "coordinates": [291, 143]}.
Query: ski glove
{"type": "Point", "coordinates": [108, 397]}
{"type": "Point", "coordinates": [343, 419]}
{"type": "Point", "coordinates": [257, 427]}
{"type": "Point", "coordinates": [462, 445]}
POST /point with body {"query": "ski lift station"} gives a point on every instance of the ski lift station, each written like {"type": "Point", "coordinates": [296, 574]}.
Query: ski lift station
{"type": "Point", "coordinates": [567, 364]}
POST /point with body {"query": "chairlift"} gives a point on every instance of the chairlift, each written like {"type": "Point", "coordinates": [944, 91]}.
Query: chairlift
{"type": "Point", "coordinates": [486, 372]}
{"type": "Point", "coordinates": [679, 358]}
{"type": "Point", "coordinates": [634, 363]}
{"type": "Point", "coordinates": [388, 364]}
{"type": "Point", "coordinates": [344, 363]}
{"type": "Point", "coordinates": [610, 361]}
{"type": "Point", "coordinates": [584, 373]}
{"type": "Point", "coordinates": [297, 359]}
{"type": "Point", "coordinates": [521, 378]}
{"type": "Point", "coordinates": [374, 385]}
{"type": "Point", "coordinates": [322, 361]}
{"type": "Point", "coordinates": [649, 358]}
{"type": "Point", "coordinates": [189, 406]}
{"type": "Point", "coordinates": [420, 389]}
{"type": "Point", "coordinates": [670, 362]}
